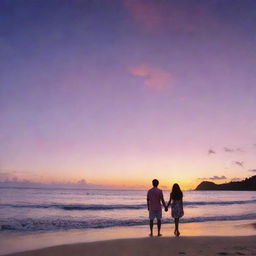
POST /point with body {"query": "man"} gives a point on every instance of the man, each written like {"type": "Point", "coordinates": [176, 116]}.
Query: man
{"type": "Point", "coordinates": [154, 199]}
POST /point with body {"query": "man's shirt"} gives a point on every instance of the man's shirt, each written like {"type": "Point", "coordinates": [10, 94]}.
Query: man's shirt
{"type": "Point", "coordinates": [155, 196]}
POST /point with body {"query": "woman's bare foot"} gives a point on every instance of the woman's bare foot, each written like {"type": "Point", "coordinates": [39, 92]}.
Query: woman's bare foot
{"type": "Point", "coordinates": [159, 234]}
{"type": "Point", "coordinates": [177, 233]}
{"type": "Point", "coordinates": [151, 234]}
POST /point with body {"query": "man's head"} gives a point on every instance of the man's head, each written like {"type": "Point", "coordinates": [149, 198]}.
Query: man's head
{"type": "Point", "coordinates": [155, 183]}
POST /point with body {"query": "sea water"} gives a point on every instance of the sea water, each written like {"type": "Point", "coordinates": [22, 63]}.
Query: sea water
{"type": "Point", "coordinates": [42, 209]}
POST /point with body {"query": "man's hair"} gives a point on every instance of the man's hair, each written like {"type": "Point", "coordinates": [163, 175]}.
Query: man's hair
{"type": "Point", "coordinates": [155, 182]}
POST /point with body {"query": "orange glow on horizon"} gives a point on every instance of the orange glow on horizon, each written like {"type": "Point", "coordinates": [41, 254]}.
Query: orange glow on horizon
{"type": "Point", "coordinates": [109, 182]}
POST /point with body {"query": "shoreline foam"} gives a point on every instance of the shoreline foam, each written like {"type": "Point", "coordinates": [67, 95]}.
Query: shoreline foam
{"type": "Point", "coordinates": [11, 242]}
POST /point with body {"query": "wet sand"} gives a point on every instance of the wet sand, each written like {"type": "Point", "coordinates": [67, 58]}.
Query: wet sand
{"type": "Point", "coordinates": [192, 246]}
{"type": "Point", "coordinates": [13, 242]}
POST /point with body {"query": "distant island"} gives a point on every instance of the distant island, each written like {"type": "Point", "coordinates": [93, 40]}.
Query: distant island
{"type": "Point", "coordinates": [249, 184]}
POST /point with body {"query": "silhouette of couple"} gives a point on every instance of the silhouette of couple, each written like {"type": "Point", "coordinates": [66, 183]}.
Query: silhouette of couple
{"type": "Point", "coordinates": [155, 198]}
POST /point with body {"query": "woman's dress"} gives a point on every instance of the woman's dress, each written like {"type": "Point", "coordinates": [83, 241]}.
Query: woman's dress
{"type": "Point", "coordinates": [177, 209]}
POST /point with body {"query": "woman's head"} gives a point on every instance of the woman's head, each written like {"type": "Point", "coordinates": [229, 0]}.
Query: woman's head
{"type": "Point", "coordinates": [176, 193]}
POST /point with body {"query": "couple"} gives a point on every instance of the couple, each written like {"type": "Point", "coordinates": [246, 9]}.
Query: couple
{"type": "Point", "coordinates": [154, 199]}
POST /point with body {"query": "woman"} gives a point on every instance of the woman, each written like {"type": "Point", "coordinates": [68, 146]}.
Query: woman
{"type": "Point", "coordinates": [176, 206]}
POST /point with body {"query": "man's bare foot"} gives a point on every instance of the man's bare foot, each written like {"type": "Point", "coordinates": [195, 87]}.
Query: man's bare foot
{"type": "Point", "coordinates": [150, 234]}
{"type": "Point", "coordinates": [177, 233]}
{"type": "Point", "coordinates": [159, 234]}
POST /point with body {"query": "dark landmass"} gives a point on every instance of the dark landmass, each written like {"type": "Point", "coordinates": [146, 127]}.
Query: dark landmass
{"type": "Point", "coordinates": [249, 184]}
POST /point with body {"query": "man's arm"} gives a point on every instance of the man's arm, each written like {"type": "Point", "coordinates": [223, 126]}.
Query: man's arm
{"type": "Point", "coordinates": [148, 201]}
{"type": "Point", "coordinates": [162, 199]}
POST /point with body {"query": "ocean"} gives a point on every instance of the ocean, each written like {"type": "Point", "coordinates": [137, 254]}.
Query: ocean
{"type": "Point", "coordinates": [25, 210]}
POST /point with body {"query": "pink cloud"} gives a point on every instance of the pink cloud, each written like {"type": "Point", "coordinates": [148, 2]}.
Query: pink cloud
{"type": "Point", "coordinates": [145, 13]}
{"type": "Point", "coordinates": [152, 15]}
{"type": "Point", "coordinates": [154, 77]}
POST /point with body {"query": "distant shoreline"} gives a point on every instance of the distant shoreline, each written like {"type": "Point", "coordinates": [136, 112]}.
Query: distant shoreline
{"type": "Point", "coordinates": [249, 184]}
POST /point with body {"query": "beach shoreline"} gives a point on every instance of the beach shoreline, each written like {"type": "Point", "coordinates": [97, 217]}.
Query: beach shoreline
{"type": "Point", "coordinates": [15, 242]}
{"type": "Point", "coordinates": [193, 246]}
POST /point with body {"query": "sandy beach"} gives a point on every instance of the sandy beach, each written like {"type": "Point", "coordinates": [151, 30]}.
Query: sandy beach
{"type": "Point", "coordinates": [233, 231]}
{"type": "Point", "coordinates": [193, 246]}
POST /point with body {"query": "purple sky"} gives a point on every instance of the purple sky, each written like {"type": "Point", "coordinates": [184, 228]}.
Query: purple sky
{"type": "Point", "coordinates": [120, 92]}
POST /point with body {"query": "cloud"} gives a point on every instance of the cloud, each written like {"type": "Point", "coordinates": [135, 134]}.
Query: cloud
{"type": "Point", "coordinates": [4, 175]}
{"type": "Point", "coordinates": [82, 182]}
{"type": "Point", "coordinates": [218, 177]}
{"type": "Point", "coordinates": [252, 170]}
{"type": "Point", "coordinates": [214, 178]}
{"type": "Point", "coordinates": [210, 151]}
{"type": "Point", "coordinates": [155, 78]}
{"type": "Point", "coordinates": [147, 14]}
{"type": "Point", "coordinates": [14, 175]}
{"type": "Point", "coordinates": [239, 163]}
{"type": "Point", "coordinates": [15, 182]}
{"type": "Point", "coordinates": [236, 179]}
{"type": "Point", "coordinates": [151, 15]}
{"type": "Point", "coordinates": [228, 149]}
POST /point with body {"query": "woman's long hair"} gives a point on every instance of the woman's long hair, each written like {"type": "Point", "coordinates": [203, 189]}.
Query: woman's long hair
{"type": "Point", "coordinates": [176, 193]}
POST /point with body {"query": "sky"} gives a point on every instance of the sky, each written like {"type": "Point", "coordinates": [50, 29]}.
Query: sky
{"type": "Point", "coordinates": [115, 93]}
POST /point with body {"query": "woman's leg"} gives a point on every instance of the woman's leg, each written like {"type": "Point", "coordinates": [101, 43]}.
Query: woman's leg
{"type": "Point", "coordinates": [176, 232]}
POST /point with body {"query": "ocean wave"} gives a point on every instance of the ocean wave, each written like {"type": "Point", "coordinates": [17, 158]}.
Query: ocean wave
{"type": "Point", "coordinates": [51, 224]}
{"type": "Point", "coordinates": [98, 207]}
{"type": "Point", "coordinates": [70, 207]}
{"type": "Point", "coordinates": [219, 202]}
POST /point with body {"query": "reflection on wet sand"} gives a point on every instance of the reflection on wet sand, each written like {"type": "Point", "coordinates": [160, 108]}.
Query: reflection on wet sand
{"type": "Point", "coordinates": [10, 243]}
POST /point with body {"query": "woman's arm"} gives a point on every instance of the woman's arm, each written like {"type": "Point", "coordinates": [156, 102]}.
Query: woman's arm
{"type": "Point", "coordinates": [169, 202]}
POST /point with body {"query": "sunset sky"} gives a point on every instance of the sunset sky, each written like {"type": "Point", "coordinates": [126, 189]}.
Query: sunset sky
{"type": "Point", "coordinates": [117, 92]}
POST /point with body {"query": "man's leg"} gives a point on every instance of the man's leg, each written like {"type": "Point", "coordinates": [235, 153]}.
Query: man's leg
{"type": "Point", "coordinates": [151, 223]}
{"type": "Point", "coordinates": [159, 226]}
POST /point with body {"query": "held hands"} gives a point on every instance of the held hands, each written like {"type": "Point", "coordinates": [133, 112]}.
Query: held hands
{"type": "Point", "coordinates": [166, 208]}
